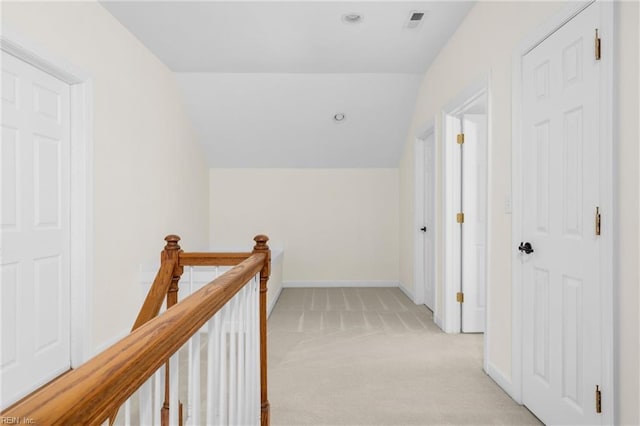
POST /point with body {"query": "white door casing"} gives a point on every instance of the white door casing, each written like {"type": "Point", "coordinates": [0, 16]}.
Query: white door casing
{"type": "Point", "coordinates": [564, 157]}
{"type": "Point", "coordinates": [35, 292]}
{"type": "Point", "coordinates": [474, 229]}
{"type": "Point", "coordinates": [474, 99]}
{"type": "Point", "coordinates": [425, 256]}
{"type": "Point", "coordinates": [429, 222]}
{"type": "Point", "coordinates": [81, 184]}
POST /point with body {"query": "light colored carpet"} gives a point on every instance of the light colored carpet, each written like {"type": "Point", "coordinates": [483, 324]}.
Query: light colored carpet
{"type": "Point", "coordinates": [348, 356]}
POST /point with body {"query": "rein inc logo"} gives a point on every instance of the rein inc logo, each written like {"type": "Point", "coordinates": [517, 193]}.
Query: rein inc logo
{"type": "Point", "coordinates": [6, 420]}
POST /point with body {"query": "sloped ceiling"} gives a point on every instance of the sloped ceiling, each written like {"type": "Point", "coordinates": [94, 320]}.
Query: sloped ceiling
{"type": "Point", "coordinates": [263, 80]}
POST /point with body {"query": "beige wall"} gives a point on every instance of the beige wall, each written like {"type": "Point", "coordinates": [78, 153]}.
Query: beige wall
{"type": "Point", "coordinates": [484, 44]}
{"type": "Point", "coordinates": [333, 224]}
{"type": "Point", "coordinates": [627, 137]}
{"type": "Point", "coordinates": [150, 179]}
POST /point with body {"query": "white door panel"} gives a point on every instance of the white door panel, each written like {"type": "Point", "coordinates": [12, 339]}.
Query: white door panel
{"type": "Point", "coordinates": [561, 335]}
{"type": "Point", "coordinates": [35, 288]}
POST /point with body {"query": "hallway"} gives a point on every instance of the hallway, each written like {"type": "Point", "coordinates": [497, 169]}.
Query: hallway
{"type": "Point", "coordinates": [348, 356]}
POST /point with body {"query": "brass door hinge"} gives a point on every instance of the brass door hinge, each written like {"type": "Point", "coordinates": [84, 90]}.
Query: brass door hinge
{"type": "Point", "coordinates": [460, 297]}
{"type": "Point", "coordinates": [460, 138]}
{"type": "Point", "coordinates": [597, 46]}
{"type": "Point", "coordinates": [460, 218]}
{"type": "Point", "coordinates": [598, 221]}
{"type": "Point", "coordinates": [598, 400]}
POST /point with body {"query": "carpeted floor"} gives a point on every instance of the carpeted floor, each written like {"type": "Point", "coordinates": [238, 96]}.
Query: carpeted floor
{"type": "Point", "coordinates": [370, 356]}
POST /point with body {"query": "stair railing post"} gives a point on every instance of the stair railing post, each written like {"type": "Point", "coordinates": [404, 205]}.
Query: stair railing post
{"type": "Point", "coordinates": [171, 251]}
{"type": "Point", "coordinates": [262, 247]}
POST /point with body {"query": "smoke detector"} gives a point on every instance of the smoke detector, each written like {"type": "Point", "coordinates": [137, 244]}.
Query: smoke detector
{"type": "Point", "coordinates": [339, 117]}
{"type": "Point", "coordinates": [415, 19]}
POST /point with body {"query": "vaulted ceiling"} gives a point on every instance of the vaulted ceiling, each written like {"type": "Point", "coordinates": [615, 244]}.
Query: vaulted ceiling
{"type": "Point", "coordinates": [263, 80]}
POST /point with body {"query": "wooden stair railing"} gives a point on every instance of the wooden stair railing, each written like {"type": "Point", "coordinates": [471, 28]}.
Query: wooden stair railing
{"type": "Point", "coordinates": [93, 393]}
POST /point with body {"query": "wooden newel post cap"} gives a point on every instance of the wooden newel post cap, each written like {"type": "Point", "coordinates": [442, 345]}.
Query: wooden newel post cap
{"type": "Point", "coordinates": [261, 242]}
{"type": "Point", "coordinates": [172, 242]}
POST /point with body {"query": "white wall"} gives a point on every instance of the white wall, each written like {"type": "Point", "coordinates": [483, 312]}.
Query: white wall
{"type": "Point", "coordinates": [150, 179]}
{"type": "Point", "coordinates": [484, 44]}
{"type": "Point", "coordinates": [333, 224]}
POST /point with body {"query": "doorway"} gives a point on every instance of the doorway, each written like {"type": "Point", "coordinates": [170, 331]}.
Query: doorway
{"type": "Point", "coordinates": [563, 179]}
{"type": "Point", "coordinates": [465, 216]}
{"type": "Point", "coordinates": [47, 238]}
{"type": "Point", "coordinates": [425, 219]}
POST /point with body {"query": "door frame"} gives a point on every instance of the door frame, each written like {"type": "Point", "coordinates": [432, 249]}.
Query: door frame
{"type": "Point", "coordinates": [419, 296]}
{"type": "Point", "coordinates": [451, 276]}
{"type": "Point", "coordinates": [607, 189]}
{"type": "Point", "coordinates": [81, 186]}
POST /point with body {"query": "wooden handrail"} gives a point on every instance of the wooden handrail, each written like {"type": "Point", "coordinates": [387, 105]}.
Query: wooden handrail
{"type": "Point", "coordinates": [89, 394]}
{"type": "Point", "coordinates": [169, 269]}
{"type": "Point", "coordinates": [212, 259]}
{"type": "Point", "coordinates": [155, 296]}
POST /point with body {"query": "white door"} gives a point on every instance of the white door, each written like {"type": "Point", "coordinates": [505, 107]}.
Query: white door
{"type": "Point", "coordinates": [562, 348]}
{"type": "Point", "coordinates": [35, 289]}
{"type": "Point", "coordinates": [429, 222]}
{"type": "Point", "coordinates": [474, 207]}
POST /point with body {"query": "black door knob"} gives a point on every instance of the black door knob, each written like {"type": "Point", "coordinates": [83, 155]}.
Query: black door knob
{"type": "Point", "coordinates": [423, 229]}
{"type": "Point", "coordinates": [526, 247]}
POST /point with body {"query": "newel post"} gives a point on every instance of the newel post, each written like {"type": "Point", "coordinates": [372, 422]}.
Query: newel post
{"type": "Point", "coordinates": [171, 251]}
{"type": "Point", "coordinates": [262, 247]}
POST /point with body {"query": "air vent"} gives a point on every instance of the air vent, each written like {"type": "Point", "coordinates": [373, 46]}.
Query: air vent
{"type": "Point", "coordinates": [415, 19]}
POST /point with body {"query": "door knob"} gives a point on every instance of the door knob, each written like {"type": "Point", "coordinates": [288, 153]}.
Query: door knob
{"type": "Point", "coordinates": [423, 229]}
{"type": "Point", "coordinates": [526, 247]}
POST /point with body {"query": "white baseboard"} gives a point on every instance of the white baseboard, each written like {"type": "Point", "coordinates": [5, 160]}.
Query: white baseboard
{"type": "Point", "coordinates": [438, 320]}
{"type": "Point", "coordinates": [274, 301]}
{"type": "Point", "coordinates": [335, 284]}
{"type": "Point", "coordinates": [407, 293]}
{"type": "Point", "coordinates": [501, 380]}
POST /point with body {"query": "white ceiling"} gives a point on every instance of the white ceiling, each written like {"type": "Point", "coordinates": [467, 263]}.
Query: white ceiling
{"type": "Point", "coordinates": [276, 120]}
{"type": "Point", "coordinates": [262, 79]}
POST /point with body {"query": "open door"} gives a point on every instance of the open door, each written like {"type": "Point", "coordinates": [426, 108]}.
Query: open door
{"type": "Point", "coordinates": [474, 226]}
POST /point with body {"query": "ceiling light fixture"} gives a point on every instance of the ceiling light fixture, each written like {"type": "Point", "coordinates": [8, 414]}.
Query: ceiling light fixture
{"type": "Point", "coordinates": [352, 18]}
{"type": "Point", "coordinates": [339, 117]}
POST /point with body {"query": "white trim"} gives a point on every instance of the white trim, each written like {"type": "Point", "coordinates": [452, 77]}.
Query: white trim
{"type": "Point", "coordinates": [438, 320]}
{"type": "Point", "coordinates": [81, 190]}
{"type": "Point", "coordinates": [337, 284]}
{"type": "Point", "coordinates": [418, 208]}
{"type": "Point", "coordinates": [500, 378]}
{"type": "Point", "coordinates": [418, 219]}
{"type": "Point", "coordinates": [607, 191]}
{"type": "Point", "coordinates": [408, 293]}
{"type": "Point", "coordinates": [273, 301]}
{"type": "Point", "coordinates": [451, 309]}
{"type": "Point", "coordinates": [489, 231]}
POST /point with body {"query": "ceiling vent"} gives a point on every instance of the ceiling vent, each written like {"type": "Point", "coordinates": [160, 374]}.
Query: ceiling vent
{"type": "Point", "coordinates": [415, 19]}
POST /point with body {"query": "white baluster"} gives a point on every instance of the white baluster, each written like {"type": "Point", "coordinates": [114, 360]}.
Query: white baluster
{"type": "Point", "coordinates": [256, 350]}
{"type": "Point", "coordinates": [213, 412]}
{"type": "Point", "coordinates": [233, 363]}
{"type": "Point", "coordinates": [194, 382]}
{"type": "Point", "coordinates": [222, 363]}
{"type": "Point", "coordinates": [173, 390]}
{"type": "Point", "coordinates": [158, 394]}
{"type": "Point", "coordinates": [240, 375]}
{"type": "Point", "coordinates": [127, 412]}
{"type": "Point", "coordinates": [193, 359]}
{"type": "Point", "coordinates": [146, 402]}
